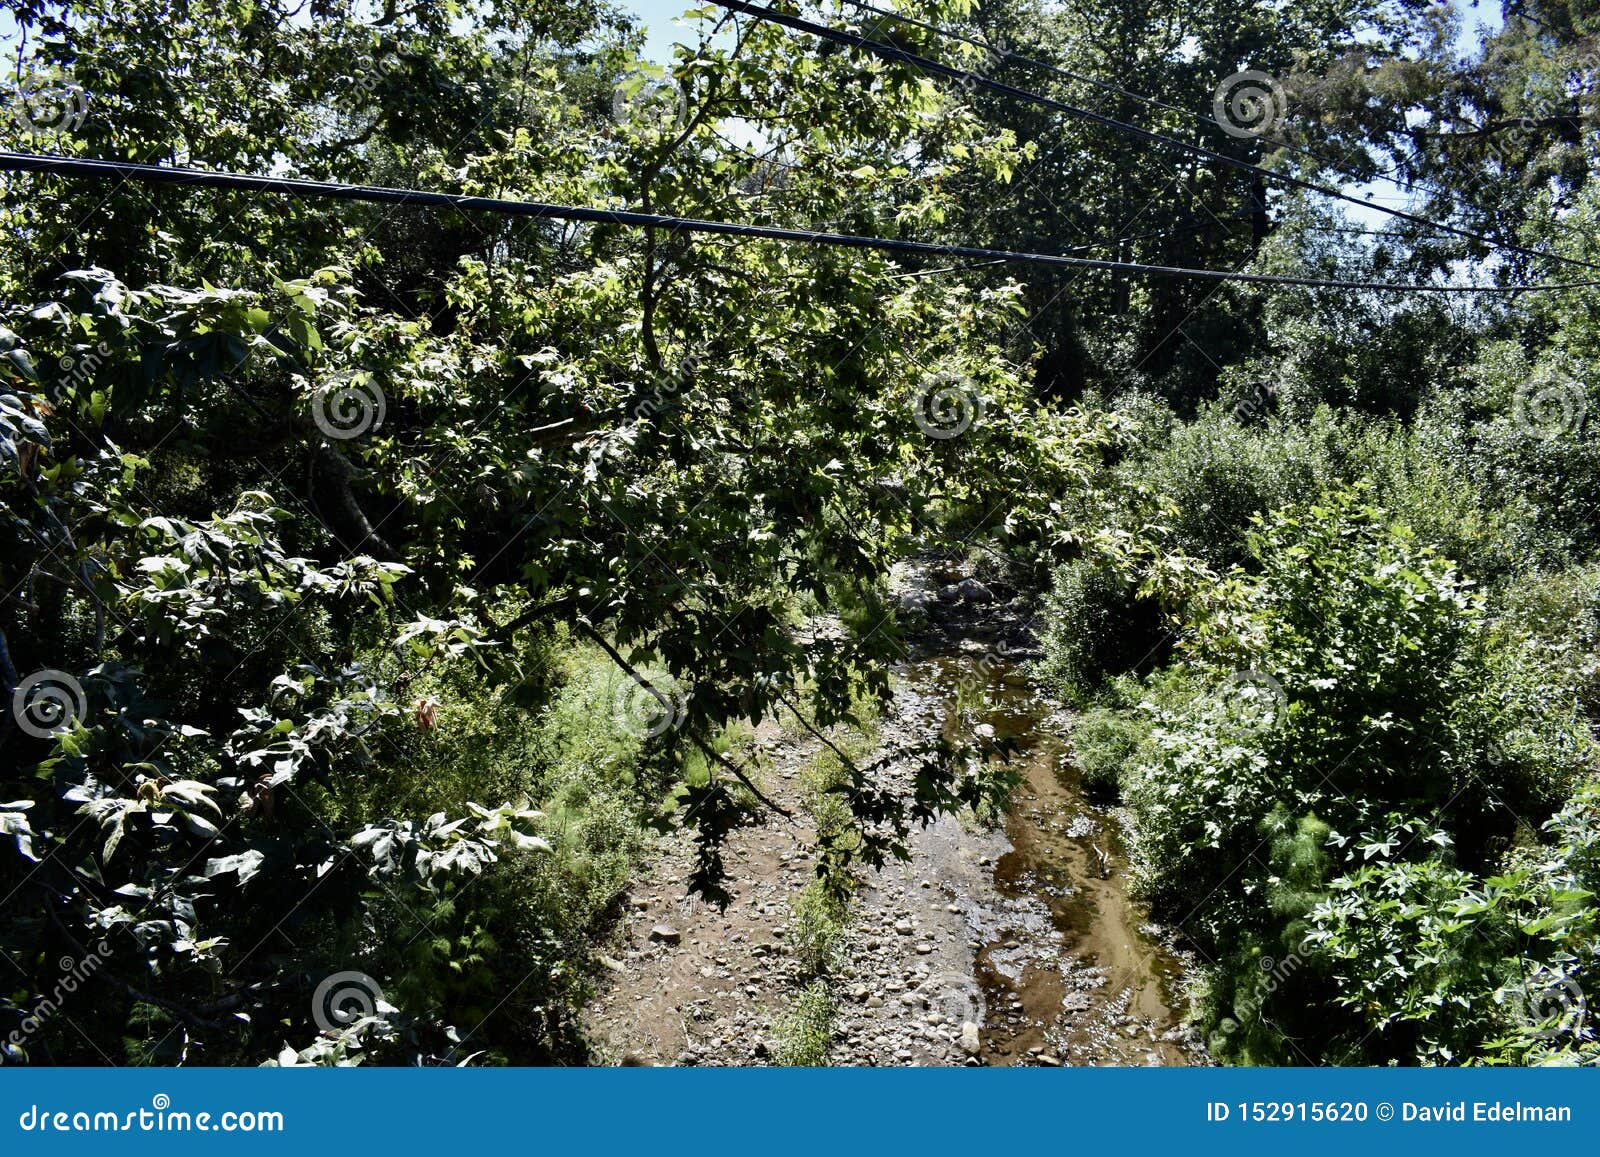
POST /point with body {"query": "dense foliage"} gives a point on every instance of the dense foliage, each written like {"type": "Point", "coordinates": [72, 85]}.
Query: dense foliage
{"type": "Point", "coordinates": [379, 580]}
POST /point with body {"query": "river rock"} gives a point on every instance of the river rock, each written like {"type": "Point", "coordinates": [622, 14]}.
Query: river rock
{"type": "Point", "coordinates": [973, 591]}
{"type": "Point", "coordinates": [970, 1043]}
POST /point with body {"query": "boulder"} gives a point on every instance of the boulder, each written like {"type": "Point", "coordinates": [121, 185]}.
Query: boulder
{"type": "Point", "coordinates": [973, 591]}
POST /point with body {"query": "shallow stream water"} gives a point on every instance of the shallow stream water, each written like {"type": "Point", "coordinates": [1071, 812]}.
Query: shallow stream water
{"type": "Point", "coordinates": [1068, 967]}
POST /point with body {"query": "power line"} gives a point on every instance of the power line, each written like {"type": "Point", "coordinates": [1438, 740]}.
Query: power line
{"type": "Point", "coordinates": [1107, 86]}
{"type": "Point", "coordinates": [386, 195]}
{"type": "Point", "coordinates": [967, 77]}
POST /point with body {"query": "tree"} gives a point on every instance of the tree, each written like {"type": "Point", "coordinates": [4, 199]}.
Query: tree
{"type": "Point", "coordinates": [274, 463]}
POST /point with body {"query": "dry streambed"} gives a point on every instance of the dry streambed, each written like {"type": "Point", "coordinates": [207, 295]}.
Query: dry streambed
{"type": "Point", "coordinates": [1015, 944]}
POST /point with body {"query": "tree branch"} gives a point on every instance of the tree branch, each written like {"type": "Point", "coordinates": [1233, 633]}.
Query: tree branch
{"type": "Point", "coordinates": [710, 752]}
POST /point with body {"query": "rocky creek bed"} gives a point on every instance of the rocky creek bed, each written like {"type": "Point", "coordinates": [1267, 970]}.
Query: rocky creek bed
{"type": "Point", "coordinates": [1014, 943]}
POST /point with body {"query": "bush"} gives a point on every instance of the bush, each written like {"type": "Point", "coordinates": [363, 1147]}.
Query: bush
{"type": "Point", "coordinates": [1507, 958]}
{"type": "Point", "coordinates": [1358, 705]}
{"type": "Point", "coordinates": [521, 947]}
{"type": "Point", "coordinates": [1097, 626]}
{"type": "Point", "coordinates": [1104, 740]}
{"type": "Point", "coordinates": [1558, 615]}
{"type": "Point", "coordinates": [1108, 737]}
{"type": "Point", "coordinates": [816, 934]}
{"type": "Point", "coordinates": [1216, 474]}
{"type": "Point", "coordinates": [806, 1031]}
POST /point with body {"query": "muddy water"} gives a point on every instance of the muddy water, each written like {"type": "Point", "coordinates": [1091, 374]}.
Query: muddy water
{"type": "Point", "coordinates": [1068, 969]}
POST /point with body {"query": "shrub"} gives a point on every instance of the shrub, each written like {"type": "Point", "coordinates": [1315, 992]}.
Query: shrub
{"type": "Point", "coordinates": [816, 934]}
{"type": "Point", "coordinates": [1357, 697]}
{"type": "Point", "coordinates": [1104, 739]}
{"type": "Point", "coordinates": [1442, 965]}
{"type": "Point", "coordinates": [1558, 614]}
{"type": "Point", "coordinates": [806, 1030]}
{"type": "Point", "coordinates": [1108, 737]}
{"type": "Point", "coordinates": [1097, 626]}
